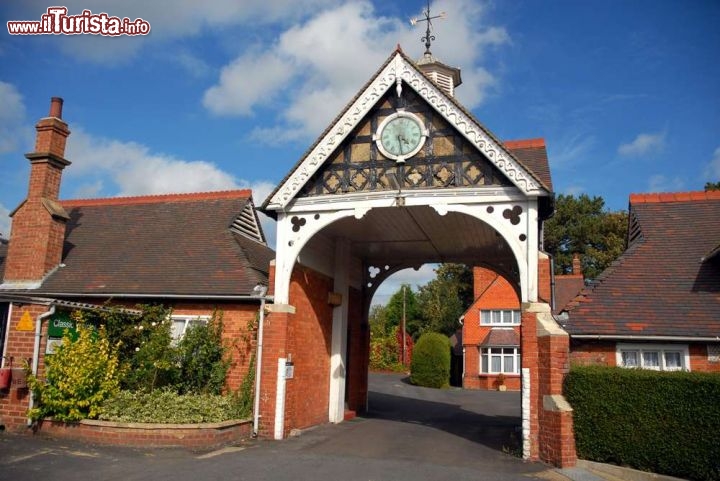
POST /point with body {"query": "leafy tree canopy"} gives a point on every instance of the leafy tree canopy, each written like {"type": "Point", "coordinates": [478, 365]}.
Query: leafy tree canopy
{"type": "Point", "coordinates": [582, 225]}
{"type": "Point", "coordinates": [712, 186]}
{"type": "Point", "coordinates": [394, 311]}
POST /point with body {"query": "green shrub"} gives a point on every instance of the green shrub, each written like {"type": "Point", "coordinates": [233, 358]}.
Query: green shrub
{"type": "Point", "coordinates": [79, 377]}
{"type": "Point", "coordinates": [430, 364]}
{"type": "Point", "coordinates": [664, 422]}
{"type": "Point", "coordinates": [201, 357]}
{"type": "Point", "coordinates": [167, 406]}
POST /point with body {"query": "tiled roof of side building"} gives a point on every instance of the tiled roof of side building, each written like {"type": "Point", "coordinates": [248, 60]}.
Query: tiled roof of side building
{"type": "Point", "coordinates": [173, 245]}
{"type": "Point", "coordinates": [533, 154]}
{"type": "Point", "coordinates": [660, 286]}
{"type": "Point", "coordinates": [567, 287]}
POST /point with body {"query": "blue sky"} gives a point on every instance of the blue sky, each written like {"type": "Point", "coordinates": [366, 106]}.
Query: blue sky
{"type": "Point", "coordinates": [625, 93]}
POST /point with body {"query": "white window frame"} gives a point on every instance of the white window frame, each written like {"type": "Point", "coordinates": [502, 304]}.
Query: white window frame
{"type": "Point", "coordinates": [188, 320]}
{"type": "Point", "coordinates": [513, 315]}
{"type": "Point", "coordinates": [515, 354]}
{"type": "Point", "coordinates": [661, 349]}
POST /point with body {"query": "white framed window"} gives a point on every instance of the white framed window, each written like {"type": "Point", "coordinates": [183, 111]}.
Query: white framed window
{"type": "Point", "coordinates": [496, 360]}
{"type": "Point", "coordinates": [660, 357]}
{"type": "Point", "coordinates": [181, 323]}
{"type": "Point", "coordinates": [499, 317]}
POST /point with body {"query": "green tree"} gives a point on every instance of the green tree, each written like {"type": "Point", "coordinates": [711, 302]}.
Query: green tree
{"type": "Point", "coordinates": [462, 276]}
{"type": "Point", "coordinates": [440, 304]}
{"type": "Point", "coordinates": [582, 225]}
{"type": "Point", "coordinates": [394, 311]}
{"type": "Point", "coordinates": [712, 186]}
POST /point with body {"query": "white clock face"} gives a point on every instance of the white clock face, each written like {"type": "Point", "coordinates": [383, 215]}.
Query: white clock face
{"type": "Point", "coordinates": [401, 136]}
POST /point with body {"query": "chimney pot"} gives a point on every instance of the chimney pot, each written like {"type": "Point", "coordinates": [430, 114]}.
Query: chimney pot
{"type": "Point", "coordinates": [576, 265]}
{"type": "Point", "coordinates": [56, 104]}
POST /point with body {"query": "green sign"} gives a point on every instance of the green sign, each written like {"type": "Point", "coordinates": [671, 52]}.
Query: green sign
{"type": "Point", "coordinates": [59, 322]}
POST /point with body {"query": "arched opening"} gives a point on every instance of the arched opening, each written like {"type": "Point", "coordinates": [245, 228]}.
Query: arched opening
{"type": "Point", "coordinates": [346, 256]}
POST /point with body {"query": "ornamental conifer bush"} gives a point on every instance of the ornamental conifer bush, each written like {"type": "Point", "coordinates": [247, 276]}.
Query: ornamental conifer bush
{"type": "Point", "coordinates": [430, 366]}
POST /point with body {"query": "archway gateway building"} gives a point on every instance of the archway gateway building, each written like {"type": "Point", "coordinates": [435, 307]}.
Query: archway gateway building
{"type": "Point", "coordinates": [403, 176]}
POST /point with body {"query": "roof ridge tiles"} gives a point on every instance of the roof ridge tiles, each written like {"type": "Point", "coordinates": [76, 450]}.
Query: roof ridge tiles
{"type": "Point", "coordinates": [660, 197]}
{"type": "Point", "coordinates": [536, 143]}
{"type": "Point", "coordinates": [151, 199]}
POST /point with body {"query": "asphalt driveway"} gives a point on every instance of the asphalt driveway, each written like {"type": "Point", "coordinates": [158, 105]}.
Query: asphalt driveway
{"type": "Point", "coordinates": [409, 434]}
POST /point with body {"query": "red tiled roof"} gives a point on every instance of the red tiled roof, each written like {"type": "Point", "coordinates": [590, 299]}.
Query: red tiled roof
{"type": "Point", "coordinates": [660, 286]}
{"type": "Point", "coordinates": [150, 199]}
{"type": "Point", "coordinates": [179, 244]}
{"type": "Point", "coordinates": [501, 337]}
{"type": "Point", "coordinates": [533, 155]}
{"type": "Point", "coordinates": [567, 287]}
{"type": "Point", "coordinates": [674, 197]}
{"type": "Point", "coordinates": [525, 144]}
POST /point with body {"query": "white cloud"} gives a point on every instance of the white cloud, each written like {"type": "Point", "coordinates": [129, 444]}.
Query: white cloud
{"type": "Point", "coordinates": [406, 276]}
{"type": "Point", "coordinates": [661, 183]}
{"type": "Point", "coordinates": [570, 150]}
{"type": "Point", "coordinates": [712, 170]}
{"type": "Point", "coordinates": [315, 75]}
{"type": "Point", "coordinates": [4, 222]}
{"type": "Point", "coordinates": [643, 144]}
{"type": "Point", "coordinates": [135, 170]}
{"type": "Point", "coordinates": [14, 134]}
{"type": "Point", "coordinates": [241, 88]}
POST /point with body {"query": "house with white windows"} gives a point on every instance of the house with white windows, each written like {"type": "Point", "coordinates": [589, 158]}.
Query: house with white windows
{"type": "Point", "coordinates": [657, 306]}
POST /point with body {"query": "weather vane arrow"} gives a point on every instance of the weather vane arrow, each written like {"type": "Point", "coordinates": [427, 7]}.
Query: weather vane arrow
{"type": "Point", "coordinates": [428, 38]}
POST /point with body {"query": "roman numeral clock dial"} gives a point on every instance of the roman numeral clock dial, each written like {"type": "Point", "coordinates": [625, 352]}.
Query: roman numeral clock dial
{"type": "Point", "coordinates": [400, 136]}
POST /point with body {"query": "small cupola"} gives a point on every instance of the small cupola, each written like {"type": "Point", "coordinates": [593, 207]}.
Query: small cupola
{"type": "Point", "coordinates": [444, 76]}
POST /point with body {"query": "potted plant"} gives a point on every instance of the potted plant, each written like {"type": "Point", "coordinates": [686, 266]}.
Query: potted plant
{"type": "Point", "coordinates": [501, 382]}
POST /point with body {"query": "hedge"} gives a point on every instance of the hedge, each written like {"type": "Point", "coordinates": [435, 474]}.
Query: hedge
{"type": "Point", "coordinates": [430, 365]}
{"type": "Point", "coordinates": [664, 422]}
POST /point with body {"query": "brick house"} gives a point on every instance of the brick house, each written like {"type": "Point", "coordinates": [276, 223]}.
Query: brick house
{"type": "Point", "coordinates": [658, 305]}
{"type": "Point", "coordinates": [196, 253]}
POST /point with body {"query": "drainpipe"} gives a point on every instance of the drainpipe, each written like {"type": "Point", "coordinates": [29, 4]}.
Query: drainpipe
{"type": "Point", "coordinates": [36, 351]}
{"type": "Point", "coordinates": [258, 364]}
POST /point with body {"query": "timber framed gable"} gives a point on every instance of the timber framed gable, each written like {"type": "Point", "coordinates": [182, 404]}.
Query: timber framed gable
{"type": "Point", "coordinates": [395, 80]}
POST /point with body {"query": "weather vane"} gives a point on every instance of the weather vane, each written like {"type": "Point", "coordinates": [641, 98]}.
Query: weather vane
{"type": "Point", "coordinates": [427, 38]}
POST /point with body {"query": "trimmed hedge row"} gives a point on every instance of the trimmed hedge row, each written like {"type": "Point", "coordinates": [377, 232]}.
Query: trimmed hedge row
{"type": "Point", "coordinates": [664, 422]}
{"type": "Point", "coordinates": [430, 364]}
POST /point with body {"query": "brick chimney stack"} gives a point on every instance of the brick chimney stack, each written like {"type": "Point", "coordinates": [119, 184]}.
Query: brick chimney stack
{"type": "Point", "coordinates": [576, 265]}
{"type": "Point", "coordinates": [38, 223]}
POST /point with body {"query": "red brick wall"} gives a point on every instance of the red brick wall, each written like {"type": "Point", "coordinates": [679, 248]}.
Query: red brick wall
{"type": "Point", "coordinates": [205, 436]}
{"type": "Point", "coordinates": [588, 352]}
{"type": "Point", "coordinates": [36, 243]}
{"type": "Point", "coordinates": [544, 280]}
{"type": "Point", "coordinates": [309, 340]}
{"type": "Point", "coordinates": [699, 359]}
{"type": "Point", "coordinates": [14, 402]}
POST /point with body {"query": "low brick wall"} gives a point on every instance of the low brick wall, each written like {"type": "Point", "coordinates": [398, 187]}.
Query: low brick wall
{"type": "Point", "coordinates": [207, 435]}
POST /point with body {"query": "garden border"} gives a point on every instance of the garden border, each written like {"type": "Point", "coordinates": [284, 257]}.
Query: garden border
{"type": "Point", "coordinates": [149, 435]}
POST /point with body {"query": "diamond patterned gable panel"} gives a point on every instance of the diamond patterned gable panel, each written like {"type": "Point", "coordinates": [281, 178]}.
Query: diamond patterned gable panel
{"type": "Point", "coordinates": [446, 160]}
